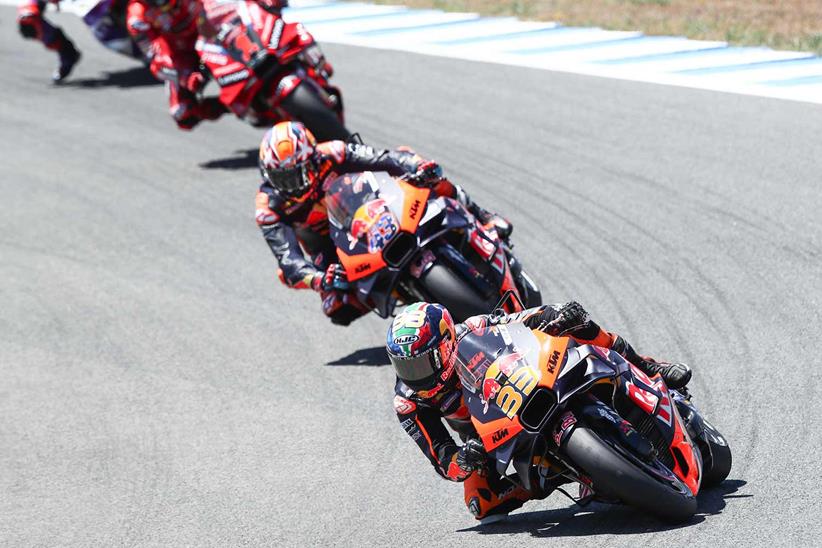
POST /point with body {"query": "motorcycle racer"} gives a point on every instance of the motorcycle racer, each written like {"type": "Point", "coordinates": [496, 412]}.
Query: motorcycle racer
{"type": "Point", "coordinates": [292, 215]}
{"type": "Point", "coordinates": [33, 25]}
{"type": "Point", "coordinates": [166, 31]}
{"type": "Point", "coordinates": [422, 345]}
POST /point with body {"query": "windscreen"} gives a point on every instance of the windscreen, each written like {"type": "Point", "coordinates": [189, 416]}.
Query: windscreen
{"type": "Point", "coordinates": [501, 345]}
{"type": "Point", "coordinates": [362, 209]}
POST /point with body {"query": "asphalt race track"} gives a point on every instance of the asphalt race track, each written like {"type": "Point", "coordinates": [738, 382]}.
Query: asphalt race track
{"type": "Point", "coordinates": [158, 387]}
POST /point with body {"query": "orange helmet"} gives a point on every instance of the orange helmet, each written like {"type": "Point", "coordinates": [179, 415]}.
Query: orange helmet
{"type": "Point", "coordinates": [287, 159]}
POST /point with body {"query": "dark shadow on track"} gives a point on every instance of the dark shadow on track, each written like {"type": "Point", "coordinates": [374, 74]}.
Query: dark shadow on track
{"type": "Point", "coordinates": [133, 77]}
{"type": "Point", "coordinates": [242, 159]}
{"type": "Point", "coordinates": [712, 501]}
{"type": "Point", "coordinates": [374, 356]}
{"type": "Point", "coordinates": [604, 519]}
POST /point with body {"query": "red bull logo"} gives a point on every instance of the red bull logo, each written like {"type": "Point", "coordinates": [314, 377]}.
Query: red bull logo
{"type": "Point", "coordinates": [490, 389]}
{"type": "Point", "coordinates": [366, 216]}
{"type": "Point", "coordinates": [358, 228]}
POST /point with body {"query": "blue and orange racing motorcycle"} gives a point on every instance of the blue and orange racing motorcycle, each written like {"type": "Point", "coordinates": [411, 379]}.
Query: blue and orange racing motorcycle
{"type": "Point", "coordinates": [550, 411]}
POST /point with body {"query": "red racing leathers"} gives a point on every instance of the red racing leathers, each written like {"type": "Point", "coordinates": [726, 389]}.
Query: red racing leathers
{"type": "Point", "coordinates": [166, 35]}
{"type": "Point", "coordinates": [291, 226]}
{"type": "Point", "coordinates": [33, 25]}
{"type": "Point", "coordinates": [486, 493]}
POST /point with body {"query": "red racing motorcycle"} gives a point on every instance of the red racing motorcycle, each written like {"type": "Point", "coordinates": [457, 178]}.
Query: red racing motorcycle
{"type": "Point", "coordinates": [268, 70]}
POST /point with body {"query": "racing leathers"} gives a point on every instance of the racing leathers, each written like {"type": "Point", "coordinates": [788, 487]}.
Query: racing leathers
{"type": "Point", "coordinates": [33, 25]}
{"type": "Point", "coordinates": [292, 225]}
{"type": "Point", "coordinates": [421, 414]}
{"type": "Point", "coordinates": [166, 35]}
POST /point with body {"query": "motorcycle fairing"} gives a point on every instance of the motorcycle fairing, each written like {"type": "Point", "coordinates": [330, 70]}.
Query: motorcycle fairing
{"type": "Point", "coordinates": [254, 47]}
{"type": "Point", "coordinates": [495, 367]}
{"type": "Point", "coordinates": [369, 206]}
{"type": "Point", "coordinates": [654, 399]}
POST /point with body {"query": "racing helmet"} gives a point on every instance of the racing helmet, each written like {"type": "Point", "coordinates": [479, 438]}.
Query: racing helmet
{"type": "Point", "coordinates": [287, 159]}
{"type": "Point", "coordinates": [421, 345]}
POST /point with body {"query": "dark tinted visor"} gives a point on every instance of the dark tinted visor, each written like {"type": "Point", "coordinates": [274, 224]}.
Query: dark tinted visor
{"type": "Point", "coordinates": [292, 180]}
{"type": "Point", "coordinates": [419, 372]}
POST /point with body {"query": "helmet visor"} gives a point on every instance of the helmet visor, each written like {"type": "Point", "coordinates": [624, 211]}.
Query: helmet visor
{"type": "Point", "coordinates": [292, 181]}
{"type": "Point", "coordinates": [418, 372]}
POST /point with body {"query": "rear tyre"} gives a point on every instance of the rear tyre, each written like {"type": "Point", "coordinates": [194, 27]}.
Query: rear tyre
{"type": "Point", "coordinates": [305, 105]}
{"type": "Point", "coordinates": [721, 461]}
{"type": "Point", "coordinates": [447, 288]}
{"type": "Point", "coordinates": [533, 296]}
{"type": "Point", "coordinates": [613, 475]}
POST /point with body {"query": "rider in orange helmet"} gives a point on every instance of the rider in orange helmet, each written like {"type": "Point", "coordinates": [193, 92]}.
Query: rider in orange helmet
{"type": "Point", "coordinates": [291, 212]}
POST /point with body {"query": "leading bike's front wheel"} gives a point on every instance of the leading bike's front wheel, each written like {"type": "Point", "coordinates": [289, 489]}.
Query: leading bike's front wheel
{"type": "Point", "coordinates": [614, 475]}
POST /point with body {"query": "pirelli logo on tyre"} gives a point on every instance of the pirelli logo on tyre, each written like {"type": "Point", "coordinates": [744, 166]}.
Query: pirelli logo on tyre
{"type": "Point", "coordinates": [233, 77]}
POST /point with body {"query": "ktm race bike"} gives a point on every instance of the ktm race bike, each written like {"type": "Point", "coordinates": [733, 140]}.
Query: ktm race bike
{"type": "Point", "coordinates": [550, 411]}
{"type": "Point", "coordinates": [269, 70]}
{"type": "Point", "coordinates": [398, 242]}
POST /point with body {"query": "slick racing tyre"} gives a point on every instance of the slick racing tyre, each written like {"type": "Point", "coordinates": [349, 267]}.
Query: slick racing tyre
{"type": "Point", "coordinates": [719, 466]}
{"type": "Point", "coordinates": [615, 476]}
{"type": "Point", "coordinates": [443, 286]}
{"type": "Point", "coordinates": [530, 290]}
{"type": "Point", "coordinates": [305, 105]}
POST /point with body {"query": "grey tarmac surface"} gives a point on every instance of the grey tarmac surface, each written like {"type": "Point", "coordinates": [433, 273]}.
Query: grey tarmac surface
{"type": "Point", "coordinates": [159, 387]}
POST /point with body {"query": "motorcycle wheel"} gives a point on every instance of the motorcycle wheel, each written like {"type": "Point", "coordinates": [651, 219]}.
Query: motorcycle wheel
{"type": "Point", "coordinates": [533, 296]}
{"type": "Point", "coordinates": [305, 105]}
{"type": "Point", "coordinates": [718, 469]}
{"type": "Point", "coordinates": [448, 289]}
{"type": "Point", "coordinates": [613, 475]}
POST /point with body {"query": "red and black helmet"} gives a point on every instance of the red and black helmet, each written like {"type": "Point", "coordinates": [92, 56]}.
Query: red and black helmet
{"type": "Point", "coordinates": [287, 159]}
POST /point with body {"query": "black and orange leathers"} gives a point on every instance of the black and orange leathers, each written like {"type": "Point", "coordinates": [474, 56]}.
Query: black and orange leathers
{"type": "Point", "coordinates": [291, 226]}
{"type": "Point", "coordinates": [421, 414]}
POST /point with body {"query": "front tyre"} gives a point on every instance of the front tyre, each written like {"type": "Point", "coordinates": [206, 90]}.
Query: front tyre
{"type": "Point", "coordinates": [614, 475]}
{"type": "Point", "coordinates": [303, 104]}
{"type": "Point", "coordinates": [441, 285]}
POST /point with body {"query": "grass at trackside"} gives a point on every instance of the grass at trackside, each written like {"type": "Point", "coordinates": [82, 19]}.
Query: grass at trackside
{"type": "Point", "coordinates": [780, 24]}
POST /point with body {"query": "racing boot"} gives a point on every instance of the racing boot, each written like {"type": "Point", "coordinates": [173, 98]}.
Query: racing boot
{"type": "Point", "coordinates": [675, 375]}
{"type": "Point", "coordinates": [489, 219]}
{"type": "Point", "coordinates": [69, 56]}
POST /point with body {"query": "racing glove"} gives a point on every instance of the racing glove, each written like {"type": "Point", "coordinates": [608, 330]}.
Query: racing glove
{"type": "Point", "coordinates": [334, 277]}
{"type": "Point", "coordinates": [428, 174]}
{"type": "Point", "coordinates": [471, 456]}
{"type": "Point", "coordinates": [569, 318]}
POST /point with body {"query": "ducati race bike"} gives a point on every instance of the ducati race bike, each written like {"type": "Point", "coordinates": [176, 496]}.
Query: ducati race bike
{"type": "Point", "coordinates": [401, 243]}
{"type": "Point", "coordinates": [269, 70]}
{"type": "Point", "coordinates": [550, 411]}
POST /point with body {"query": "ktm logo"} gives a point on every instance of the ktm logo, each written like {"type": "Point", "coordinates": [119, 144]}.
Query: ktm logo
{"type": "Point", "coordinates": [499, 434]}
{"type": "Point", "coordinates": [362, 268]}
{"type": "Point", "coordinates": [553, 361]}
{"type": "Point", "coordinates": [414, 209]}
